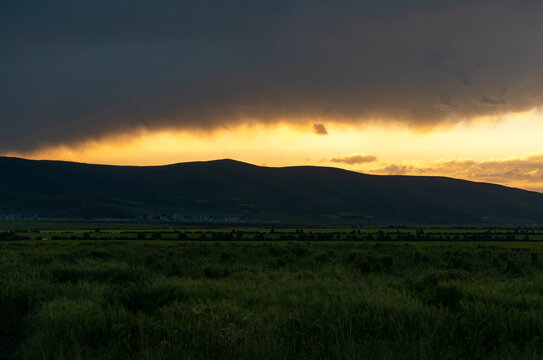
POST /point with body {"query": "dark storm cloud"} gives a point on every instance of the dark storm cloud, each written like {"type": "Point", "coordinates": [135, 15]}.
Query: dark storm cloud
{"type": "Point", "coordinates": [73, 70]}
{"type": "Point", "coordinates": [487, 100]}
{"type": "Point", "coordinates": [320, 129]}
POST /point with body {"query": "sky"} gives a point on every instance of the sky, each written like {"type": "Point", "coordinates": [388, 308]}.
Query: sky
{"type": "Point", "coordinates": [441, 88]}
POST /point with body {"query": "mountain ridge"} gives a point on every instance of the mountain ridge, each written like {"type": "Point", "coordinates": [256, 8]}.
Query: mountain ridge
{"type": "Point", "coordinates": [227, 187]}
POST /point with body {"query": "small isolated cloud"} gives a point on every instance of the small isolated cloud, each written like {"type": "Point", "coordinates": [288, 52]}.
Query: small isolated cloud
{"type": "Point", "coordinates": [354, 159]}
{"type": "Point", "coordinates": [396, 169]}
{"type": "Point", "coordinates": [319, 129]}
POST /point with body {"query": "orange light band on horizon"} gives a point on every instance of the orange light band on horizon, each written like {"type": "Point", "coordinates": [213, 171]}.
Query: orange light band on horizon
{"type": "Point", "coordinates": [515, 135]}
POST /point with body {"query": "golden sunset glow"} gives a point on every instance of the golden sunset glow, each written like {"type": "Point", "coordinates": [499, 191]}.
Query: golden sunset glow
{"type": "Point", "coordinates": [503, 142]}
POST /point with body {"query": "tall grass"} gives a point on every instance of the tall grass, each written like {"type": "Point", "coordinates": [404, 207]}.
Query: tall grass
{"type": "Point", "coordinates": [141, 300]}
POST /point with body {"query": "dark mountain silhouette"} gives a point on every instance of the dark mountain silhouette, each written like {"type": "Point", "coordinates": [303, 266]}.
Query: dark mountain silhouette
{"type": "Point", "coordinates": [223, 188]}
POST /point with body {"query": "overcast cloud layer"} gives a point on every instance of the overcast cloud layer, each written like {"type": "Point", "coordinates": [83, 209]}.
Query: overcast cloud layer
{"type": "Point", "coordinates": [72, 70]}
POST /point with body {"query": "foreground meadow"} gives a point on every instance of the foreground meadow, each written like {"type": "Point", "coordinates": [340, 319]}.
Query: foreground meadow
{"type": "Point", "coordinates": [289, 300]}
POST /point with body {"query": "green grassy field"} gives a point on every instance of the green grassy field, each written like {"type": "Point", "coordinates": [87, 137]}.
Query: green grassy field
{"type": "Point", "coordinates": [169, 299]}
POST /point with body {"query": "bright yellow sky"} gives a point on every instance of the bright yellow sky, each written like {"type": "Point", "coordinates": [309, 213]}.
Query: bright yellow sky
{"type": "Point", "coordinates": [504, 150]}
